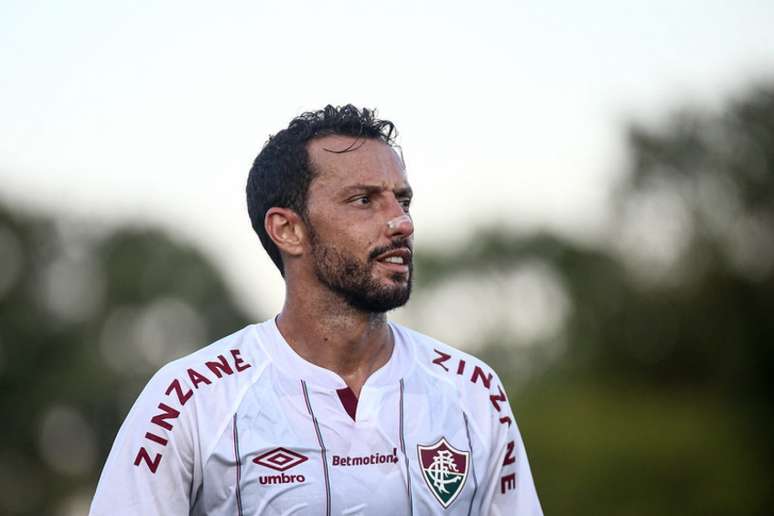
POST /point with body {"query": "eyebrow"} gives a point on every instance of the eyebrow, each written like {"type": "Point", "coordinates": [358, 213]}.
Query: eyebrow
{"type": "Point", "coordinates": [402, 191]}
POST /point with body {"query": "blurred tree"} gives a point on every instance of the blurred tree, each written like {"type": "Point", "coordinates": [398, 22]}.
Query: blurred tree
{"type": "Point", "coordinates": [84, 321]}
{"type": "Point", "coordinates": [654, 397]}
{"type": "Point", "coordinates": [661, 401]}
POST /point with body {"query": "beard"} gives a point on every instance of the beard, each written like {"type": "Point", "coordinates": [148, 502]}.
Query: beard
{"type": "Point", "coordinates": [354, 280]}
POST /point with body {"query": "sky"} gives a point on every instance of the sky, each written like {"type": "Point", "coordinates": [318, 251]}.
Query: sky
{"type": "Point", "coordinates": [509, 113]}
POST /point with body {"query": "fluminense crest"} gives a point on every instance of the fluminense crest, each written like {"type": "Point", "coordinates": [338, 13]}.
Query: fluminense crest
{"type": "Point", "coordinates": [444, 469]}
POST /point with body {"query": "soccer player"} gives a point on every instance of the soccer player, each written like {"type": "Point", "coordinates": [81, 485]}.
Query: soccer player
{"type": "Point", "coordinates": [327, 408]}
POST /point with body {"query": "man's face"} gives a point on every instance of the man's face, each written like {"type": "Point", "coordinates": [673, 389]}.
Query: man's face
{"type": "Point", "coordinates": [355, 194]}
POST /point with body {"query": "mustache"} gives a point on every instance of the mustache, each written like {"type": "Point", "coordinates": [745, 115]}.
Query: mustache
{"type": "Point", "coordinates": [395, 244]}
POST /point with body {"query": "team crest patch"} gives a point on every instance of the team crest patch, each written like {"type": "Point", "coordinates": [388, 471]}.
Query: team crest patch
{"type": "Point", "coordinates": [444, 469]}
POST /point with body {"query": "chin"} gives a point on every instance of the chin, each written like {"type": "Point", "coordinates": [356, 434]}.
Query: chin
{"type": "Point", "coordinates": [382, 300]}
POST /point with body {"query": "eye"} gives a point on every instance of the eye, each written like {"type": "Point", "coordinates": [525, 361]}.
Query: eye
{"type": "Point", "coordinates": [405, 202]}
{"type": "Point", "coordinates": [362, 200]}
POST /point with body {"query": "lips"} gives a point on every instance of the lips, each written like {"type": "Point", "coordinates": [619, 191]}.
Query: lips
{"type": "Point", "coordinates": [400, 256]}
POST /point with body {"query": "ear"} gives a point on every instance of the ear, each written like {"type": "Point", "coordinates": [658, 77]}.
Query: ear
{"type": "Point", "coordinates": [286, 229]}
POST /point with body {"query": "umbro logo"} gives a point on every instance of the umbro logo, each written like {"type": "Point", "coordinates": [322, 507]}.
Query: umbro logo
{"type": "Point", "coordinates": [280, 459]}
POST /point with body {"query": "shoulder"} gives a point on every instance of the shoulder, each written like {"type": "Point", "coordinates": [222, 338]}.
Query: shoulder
{"type": "Point", "coordinates": [224, 358]}
{"type": "Point", "coordinates": [478, 386]}
{"type": "Point", "coordinates": [441, 359]}
{"type": "Point", "coordinates": [191, 398]}
{"type": "Point", "coordinates": [212, 374]}
{"type": "Point", "coordinates": [172, 426]}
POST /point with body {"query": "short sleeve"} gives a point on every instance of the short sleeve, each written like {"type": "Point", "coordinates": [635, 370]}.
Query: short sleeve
{"type": "Point", "coordinates": [150, 468]}
{"type": "Point", "coordinates": [508, 485]}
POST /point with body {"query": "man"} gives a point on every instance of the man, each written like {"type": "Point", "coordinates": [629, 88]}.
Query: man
{"type": "Point", "coordinates": [328, 408]}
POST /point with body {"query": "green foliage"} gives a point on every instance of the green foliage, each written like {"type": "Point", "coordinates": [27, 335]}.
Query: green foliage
{"type": "Point", "coordinates": [661, 399]}
{"type": "Point", "coordinates": [655, 397]}
{"type": "Point", "coordinates": [65, 384]}
{"type": "Point", "coordinates": [623, 448]}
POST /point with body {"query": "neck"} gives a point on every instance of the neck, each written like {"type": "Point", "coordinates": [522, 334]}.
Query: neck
{"type": "Point", "coordinates": [326, 331]}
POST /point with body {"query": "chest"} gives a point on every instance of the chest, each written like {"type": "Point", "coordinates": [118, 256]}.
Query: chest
{"type": "Point", "coordinates": [293, 449]}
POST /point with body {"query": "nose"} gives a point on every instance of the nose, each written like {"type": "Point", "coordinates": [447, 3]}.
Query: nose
{"type": "Point", "coordinates": [401, 226]}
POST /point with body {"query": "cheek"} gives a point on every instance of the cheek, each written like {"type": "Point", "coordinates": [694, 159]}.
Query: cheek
{"type": "Point", "coordinates": [346, 233]}
{"type": "Point", "coordinates": [345, 241]}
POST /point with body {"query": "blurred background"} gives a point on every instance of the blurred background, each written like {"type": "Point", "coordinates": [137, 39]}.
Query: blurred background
{"type": "Point", "coordinates": [594, 210]}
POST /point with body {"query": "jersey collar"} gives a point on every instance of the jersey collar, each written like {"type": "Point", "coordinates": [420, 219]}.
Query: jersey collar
{"type": "Point", "coordinates": [292, 364]}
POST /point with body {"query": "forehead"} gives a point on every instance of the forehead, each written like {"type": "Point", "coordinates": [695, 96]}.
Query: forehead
{"type": "Point", "coordinates": [366, 161]}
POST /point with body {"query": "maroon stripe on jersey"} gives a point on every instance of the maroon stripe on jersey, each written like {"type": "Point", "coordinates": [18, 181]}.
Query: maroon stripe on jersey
{"type": "Point", "coordinates": [238, 467]}
{"type": "Point", "coordinates": [403, 450]}
{"type": "Point", "coordinates": [322, 450]}
{"type": "Point", "coordinates": [472, 464]}
{"type": "Point", "coordinates": [349, 400]}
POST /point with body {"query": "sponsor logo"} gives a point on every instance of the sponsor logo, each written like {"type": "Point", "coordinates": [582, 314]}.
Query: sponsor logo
{"type": "Point", "coordinates": [478, 376]}
{"type": "Point", "coordinates": [366, 460]}
{"type": "Point", "coordinates": [444, 469]}
{"type": "Point", "coordinates": [183, 389]}
{"type": "Point", "coordinates": [280, 459]}
{"type": "Point", "coordinates": [280, 479]}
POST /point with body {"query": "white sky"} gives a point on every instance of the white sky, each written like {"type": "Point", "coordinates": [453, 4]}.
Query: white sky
{"type": "Point", "coordinates": [508, 111]}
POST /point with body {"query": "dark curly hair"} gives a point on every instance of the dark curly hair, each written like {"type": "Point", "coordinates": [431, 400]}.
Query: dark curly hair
{"type": "Point", "coordinates": [281, 174]}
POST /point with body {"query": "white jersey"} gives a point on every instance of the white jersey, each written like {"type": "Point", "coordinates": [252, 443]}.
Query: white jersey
{"type": "Point", "coordinates": [246, 426]}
